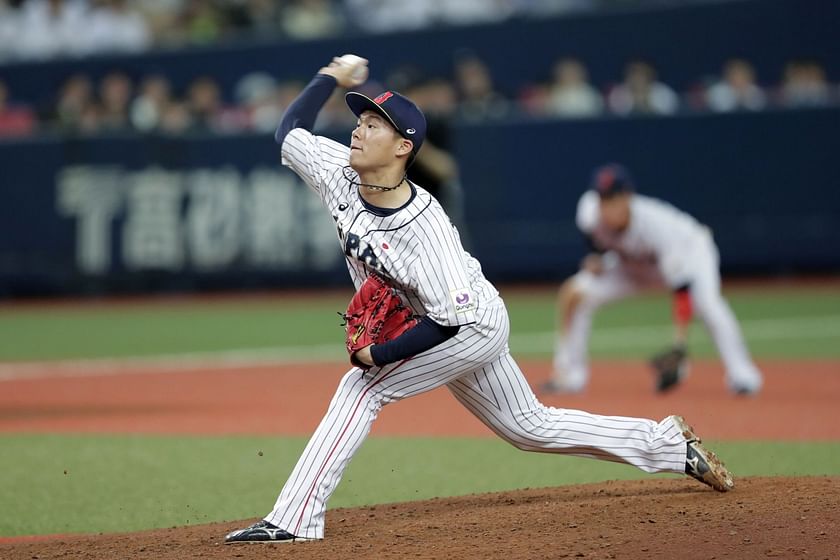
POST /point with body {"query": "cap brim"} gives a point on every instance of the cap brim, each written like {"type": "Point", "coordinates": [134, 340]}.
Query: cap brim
{"type": "Point", "coordinates": [359, 103]}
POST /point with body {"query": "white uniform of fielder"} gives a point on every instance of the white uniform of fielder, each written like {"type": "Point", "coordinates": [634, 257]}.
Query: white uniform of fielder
{"type": "Point", "coordinates": [662, 247]}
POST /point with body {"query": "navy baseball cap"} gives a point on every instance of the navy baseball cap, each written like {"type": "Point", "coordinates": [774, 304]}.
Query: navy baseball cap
{"type": "Point", "coordinates": [399, 110]}
{"type": "Point", "coordinates": [611, 179]}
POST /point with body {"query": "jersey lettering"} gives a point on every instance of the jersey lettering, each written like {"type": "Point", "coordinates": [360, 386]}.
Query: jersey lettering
{"type": "Point", "coordinates": [357, 249]}
{"type": "Point", "coordinates": [351, 244]}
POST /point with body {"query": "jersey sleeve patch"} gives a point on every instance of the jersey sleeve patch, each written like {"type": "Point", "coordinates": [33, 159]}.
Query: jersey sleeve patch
{"type": "Point", "coordinates": [463, 300]}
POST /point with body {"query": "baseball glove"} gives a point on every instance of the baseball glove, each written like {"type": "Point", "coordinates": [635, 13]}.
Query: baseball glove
{"type": "Point", "coordinates": [670, 367]}
{"type": "Point", "coordinates": [376, 314]}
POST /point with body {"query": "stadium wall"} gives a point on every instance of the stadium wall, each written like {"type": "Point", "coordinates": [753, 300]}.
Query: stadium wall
{"type": "Point", "coordinates": [130, 213]}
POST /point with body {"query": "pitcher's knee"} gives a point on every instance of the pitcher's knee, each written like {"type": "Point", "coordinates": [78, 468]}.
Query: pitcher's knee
{"type": "Point", "coordinates": [512, 434]}
{"type": "Point", "coordinates": [526, 427]}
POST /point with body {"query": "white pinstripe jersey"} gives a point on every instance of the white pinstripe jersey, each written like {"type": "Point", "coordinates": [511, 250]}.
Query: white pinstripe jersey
{"type": "Point", "coordinates": [417, 247]}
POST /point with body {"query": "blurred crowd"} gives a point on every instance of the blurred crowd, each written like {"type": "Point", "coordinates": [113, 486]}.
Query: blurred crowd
{"type": "Point", "coordinates": [119, 102]}
{"type": "Point", "coordinates": [44, 29]}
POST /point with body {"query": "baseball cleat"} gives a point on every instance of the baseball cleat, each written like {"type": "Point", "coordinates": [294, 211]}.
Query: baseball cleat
{"type": "Point", "coordinates": [743, 391]}
{"type": "Point", "coordinates": [702, 464]}
{"type": "Point", "coordinates": [553, 387]}
{"type": "Point", "coordinates": [262, 531]}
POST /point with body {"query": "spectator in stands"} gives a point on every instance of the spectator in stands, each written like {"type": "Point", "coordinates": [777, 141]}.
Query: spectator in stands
{"type": "Point", "coordinates": [287, 92]}
{"type": "Point", "coordinates": [534, 99]}
{"type": "Point", "coordinates": [147, 109]}
{"type": "Point", "coordinates": [8, 30]}
{"type": "Point", "coordinates": [75, 104]}
{"type": "Point", "coordinates": [48, 28]}
{"type": "Point", "coordinates": [641, 93]}
{"type": "Point", "coordinates": [257, 17]}
{"type": "Point", "coordinates": [309, 19]}
{"type": "Point", "coordinates": [737, 90]}
{"type": "Point", "coordinates": [378, 16]}
{"type": "Point", "coordinates": [259, 97]}
{"type": "Point", "coordinates": [42, 29]}
{"type": "Point", "coordinates": [176, 118]}
{"type": "Point", "coordinates": [15, 120]}
{"type": "Point", "coordinates": [386, 16]}
{"type": "Point", "coordinates": [478, 100]}
{"type": "Point", "coordinates": [115, 27]}
{"type": "Point", "coordinates": [548, 8]}
{"type": "Point", "coordinates": [163, 18]}
{"type": "Point", "coordinates": [805, 85]}
{"type": "Point", "coordinates": [204, 100]}
{"type": "Point", "coordinates": [115, 94]}
{"type": "Point", "coordinates": [201, 21]}
{"type": "Point", "coordinates": [89, 119]}
{"type": "Point", "coordinates": [334, 115]}
{"type": "Point", "coordinates": [471, 12]}
{"type": "Point", "coordinates": [440, 98]}
{"type": "Point", "coordinates": [570, 93]}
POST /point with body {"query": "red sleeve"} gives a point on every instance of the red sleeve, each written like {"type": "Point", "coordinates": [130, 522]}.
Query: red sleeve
{"type": "Point", "coordinates": [682, 306]}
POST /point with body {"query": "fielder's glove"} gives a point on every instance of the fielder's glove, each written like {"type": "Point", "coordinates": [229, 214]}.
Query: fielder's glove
{"type": "Point", "coordinates": [670, 367]}
{"type": "Point", "coordinates": [376, 314]}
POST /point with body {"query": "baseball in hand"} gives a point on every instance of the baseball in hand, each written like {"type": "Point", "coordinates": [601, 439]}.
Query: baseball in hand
{"type": "Point", "coordinates": [359, 64]}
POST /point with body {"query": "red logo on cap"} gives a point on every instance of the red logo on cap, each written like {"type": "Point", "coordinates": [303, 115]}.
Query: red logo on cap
{"type": "Point", "coordinates": [383, 97]}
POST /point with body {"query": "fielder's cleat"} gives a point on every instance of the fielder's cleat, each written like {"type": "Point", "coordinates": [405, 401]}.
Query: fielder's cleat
{"type": "Point", "coordinates": [553, 387]}
{"type": "Point", "coordinates": [702, 464]}
{"type": "Point", "coordinates": [743, 391]}
{"type": "Point", "coordinates": [262, 531]}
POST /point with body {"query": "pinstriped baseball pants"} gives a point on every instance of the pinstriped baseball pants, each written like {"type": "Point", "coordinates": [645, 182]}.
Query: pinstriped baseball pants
{"type": "Point", "coordinates": [478, 369]}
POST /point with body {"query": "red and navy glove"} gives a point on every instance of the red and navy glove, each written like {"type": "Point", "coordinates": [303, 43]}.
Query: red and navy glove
{"type": "Point", "coordinates": [376, 314]}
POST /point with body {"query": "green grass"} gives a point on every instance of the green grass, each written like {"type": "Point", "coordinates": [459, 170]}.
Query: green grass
{"type": "Point", "coordinates": [125, 483]}
{"type": "Point", "coordinates": [159, 328]}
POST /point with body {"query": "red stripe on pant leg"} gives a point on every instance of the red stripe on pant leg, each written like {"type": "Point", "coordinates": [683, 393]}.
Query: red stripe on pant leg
{"type": "Point", "coordinates": [335, 445]}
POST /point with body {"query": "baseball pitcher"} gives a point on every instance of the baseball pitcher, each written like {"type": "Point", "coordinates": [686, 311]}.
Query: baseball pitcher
{"type": "Point", "coordinates": [424, 316]}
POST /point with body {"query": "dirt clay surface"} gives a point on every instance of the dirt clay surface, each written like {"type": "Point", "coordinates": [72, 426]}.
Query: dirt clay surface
{"type": "Point", "coordinates": [654, 518]}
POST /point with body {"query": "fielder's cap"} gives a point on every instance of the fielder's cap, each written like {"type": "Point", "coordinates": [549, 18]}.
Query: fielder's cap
{"type": "Point", "coordinates": [611, 179]}
{"type": "Point", "coordinates": [400, 111]}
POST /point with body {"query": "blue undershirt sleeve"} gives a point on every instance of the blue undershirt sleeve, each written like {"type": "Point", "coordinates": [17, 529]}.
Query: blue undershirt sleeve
{"type": "Point", "coordinates": [423, 336]}
{"type": "Point", "coordinates": [303, 111]}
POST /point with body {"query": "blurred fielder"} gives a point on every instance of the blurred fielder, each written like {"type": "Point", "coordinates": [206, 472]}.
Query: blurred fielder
{"type": "Point", "coordinates": [640, 242]}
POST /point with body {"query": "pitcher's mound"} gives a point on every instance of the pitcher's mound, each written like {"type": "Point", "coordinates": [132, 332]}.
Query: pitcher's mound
{"type": "Point", "coordinates": [652, 518]}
